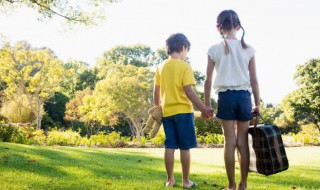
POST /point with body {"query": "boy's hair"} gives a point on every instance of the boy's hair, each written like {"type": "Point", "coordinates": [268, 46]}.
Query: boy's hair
{"type": "Point", "coordinates": [228, 20]}
{"type": "Point", "coordinates": [176, 42]}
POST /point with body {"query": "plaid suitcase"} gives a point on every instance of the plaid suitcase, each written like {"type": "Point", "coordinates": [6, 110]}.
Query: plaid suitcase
{"type": "Point", "coordinates": [267, 153]}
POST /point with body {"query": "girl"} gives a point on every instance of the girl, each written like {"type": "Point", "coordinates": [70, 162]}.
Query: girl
{"type": "Point", "coordinates": [235, 80]}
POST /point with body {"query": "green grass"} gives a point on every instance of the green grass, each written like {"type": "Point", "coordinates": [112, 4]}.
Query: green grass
{"type": "Point", "coordinates": [34, 167]}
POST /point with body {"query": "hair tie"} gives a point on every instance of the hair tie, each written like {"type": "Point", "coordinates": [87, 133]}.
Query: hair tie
{"type": "Point", "coordinates": [223, 37]}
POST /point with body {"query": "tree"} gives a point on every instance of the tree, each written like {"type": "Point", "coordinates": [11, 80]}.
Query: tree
{"type": "Point", "coordinates": [288, 119]}
{"type": "Point", "coordinates": [73, 113]}
{"type": "Point", "coordinates": [160, 56]}
{"type": "Point", "coordinates": [17, 110]}
{"type": "Point", "coordinates": [87, 12]}
{"type": "Point", "coordinates": [269, 113]}
{"type": "Point", "coordinates": [303, 105]}
{"type": "Point", "coordinates": [55, 107]}
{"type": "Point", "coordinates": [307, 102]}
{"type": "Point", "coordinates": [78, 77]}
{"type": "Point", "coordinates": [126, 90]}
{"type": "Point", "coordinates": [35, 73]}
{"type": "Point", "coordinates": [138, 55]}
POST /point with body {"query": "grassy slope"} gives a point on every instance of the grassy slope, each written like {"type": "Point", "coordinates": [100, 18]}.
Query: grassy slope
{"type": "Point", "coordinates": [34, 167]}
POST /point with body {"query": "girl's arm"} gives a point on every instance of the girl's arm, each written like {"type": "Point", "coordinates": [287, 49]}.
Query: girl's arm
{"type": "Point", "coordinates": [208, 82]}
{"type": "Point", "coordinates": [206, 112]}
{"type": "Point", "coordinates": [156, 95]}
{"type": "Point", "coordinates": [254, 84]}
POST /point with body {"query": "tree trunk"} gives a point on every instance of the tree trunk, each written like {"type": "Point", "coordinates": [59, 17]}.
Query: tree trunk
{"type": "Point", "coordinates": [132, 129]}
{"type": "Point", "coordinates": [138, 127]}
{"type": "Point", "coordinates": [38, 112]}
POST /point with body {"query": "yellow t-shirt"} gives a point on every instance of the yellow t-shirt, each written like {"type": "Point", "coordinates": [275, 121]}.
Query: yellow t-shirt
{"type": "Point", "coordinates": [172, 75]}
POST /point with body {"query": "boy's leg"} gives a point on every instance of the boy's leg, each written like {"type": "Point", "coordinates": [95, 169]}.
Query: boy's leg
{"type": "Point", "coordinates": [185, 163]}
{"type": "Point", "coordinates": [169, 163]}
{"type": "Point", "coordinates": [229, 149]}
{"type": "Point", "coordinates": [242, 144]}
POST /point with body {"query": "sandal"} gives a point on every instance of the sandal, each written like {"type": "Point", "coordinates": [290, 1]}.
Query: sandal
{"type": "Point", "coordinates": [193, 184]}
{"type": "Point", "coordinates": [167, 184]}
{"type": "Point", "coordinates": [232, 188]}
{"type": "Point", "coordinates": [241, 187]}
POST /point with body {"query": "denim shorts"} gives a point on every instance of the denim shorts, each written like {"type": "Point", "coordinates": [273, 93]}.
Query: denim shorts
{"type": "Point", "coordinates": [234, 105]}
{"type": "Point", "coordinates": [180, 131]}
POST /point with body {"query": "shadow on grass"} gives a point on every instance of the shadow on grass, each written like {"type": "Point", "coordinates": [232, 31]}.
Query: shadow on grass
{"type": "Point", "coordinates": [33, 167]}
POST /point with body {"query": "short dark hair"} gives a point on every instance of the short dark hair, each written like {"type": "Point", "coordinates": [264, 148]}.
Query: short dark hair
{"type": "Point", "coordinates": [176, 42]}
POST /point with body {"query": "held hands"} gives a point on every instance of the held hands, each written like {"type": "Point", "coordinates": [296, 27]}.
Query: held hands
{"type": "Point", "coordinates": [207, 113]}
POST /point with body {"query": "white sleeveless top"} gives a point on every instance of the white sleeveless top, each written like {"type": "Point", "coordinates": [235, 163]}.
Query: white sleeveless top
{"type": "Point", "coordinates": [232, 69]}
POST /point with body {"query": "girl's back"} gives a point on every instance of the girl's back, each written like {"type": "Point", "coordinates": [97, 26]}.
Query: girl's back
{"type": "Point", "coordinates": [232, 68]}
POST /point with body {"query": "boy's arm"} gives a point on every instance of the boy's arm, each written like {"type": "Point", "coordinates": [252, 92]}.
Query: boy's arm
{"type": "Point", "coordinates": [156, 95]}
{"type": "Point", "coordinates": [208, 82]}
{"type": "Point", "coordinates": [254, 84]}
{"type": "Point", "coordinates": [196, 101]}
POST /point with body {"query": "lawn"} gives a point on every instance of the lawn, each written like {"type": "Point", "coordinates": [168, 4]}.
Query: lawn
{"type": "Point", "coordinates": [43, 167]}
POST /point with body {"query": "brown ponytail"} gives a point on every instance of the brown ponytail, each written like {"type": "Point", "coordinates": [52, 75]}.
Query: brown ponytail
{"type": "Point", "coordinates": [228, 20]}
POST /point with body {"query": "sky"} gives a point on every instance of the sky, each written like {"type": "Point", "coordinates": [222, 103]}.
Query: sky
{"type": "Point", "coordinates": [283, 33]}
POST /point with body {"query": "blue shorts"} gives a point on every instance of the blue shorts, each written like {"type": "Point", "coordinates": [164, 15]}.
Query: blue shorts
{"type": "Point", "coordinates": [180, 131]}
{"type": "Point", "coordinates": [234, 105]}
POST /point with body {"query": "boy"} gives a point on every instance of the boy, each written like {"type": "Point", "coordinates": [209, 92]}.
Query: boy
{"type": "Point", "coordinates": [173, 86]}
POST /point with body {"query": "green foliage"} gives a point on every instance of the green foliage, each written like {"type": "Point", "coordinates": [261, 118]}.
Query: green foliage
{"type": "Point", "coordinates": [37, 138]}
{"type": "Point", "coordinates": [18, 110]}
{"type": "Point", "coordinates": [34, 73]}
{"type": "Point", "coordinates": [213, 102]}
{"type": "Point", "coordinates": [75, 113]}
{"type": "Point", "coordinates": [269, 113]}
{"type": "Point", "coordinates": [309, 135]}
{"type": "Point", "coordinates": [55, 107]}
{"type": "Point", "coordinates": [138, 55]}
{"type": "Point", "coordinates": [88, 12]}
{"type": "Point", "coordinates": [159, 139]}
{"type": "Point", "coordinates": [126, 91]}
{"type": "Point", "coordinates": [78, 77]}
{"type": "Point", "coordinates": [199, 77]}
{"type": "Point", "coordinates": [204, 127]}
{"type": "Point", "coordinates": [303, 105]}
{"type": "Point", "coordinates": [160, 56]}
{"type": "Point", "coordinates": [143, 141]}
{"type": "Point", "coordinates": [8, 133]}
{"type": "Point", "coordinates": [307, 102]}
{"type": "Point", "coordinates": [108, 140]}
{"type": "Point", "coordinates": [22, 135]}
{"type": "Point", "coordinates": [210, 138]}
{"type": "Point", "coordinates": [64, 138]}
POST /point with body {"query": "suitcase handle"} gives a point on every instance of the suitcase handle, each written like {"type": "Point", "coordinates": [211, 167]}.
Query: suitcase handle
{"type": "Point", "coordinates": [255, 120]}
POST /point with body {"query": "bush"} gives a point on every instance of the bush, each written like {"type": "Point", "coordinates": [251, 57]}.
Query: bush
{"type": "Point", "coordinates": [8, 133]}
{"type": "Point", "coordinates": [112, 139]}
{"type": "Point", "coordinates": [22, 135]}
{"type": "Point", "coordinates": [38, 138]}
{"type": "Point", "coordinates": [211, 126]}
{"type": "Point", "coordinates": [210, 138]}
{"type": "Point", "coordinates": [309, 134]}
{"type": "Point", "coordinates": [68, 137]}
{"type": "Point", "coordinates": [159, 139]}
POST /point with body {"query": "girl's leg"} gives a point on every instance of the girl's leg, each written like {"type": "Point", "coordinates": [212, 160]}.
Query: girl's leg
{"type": "Point", "coordinates": [243, 147]}
{"type": "Point", "coordinates": [169, 162]}
{"type": "Point", "coordinates": [229, 149]}
{"type": "Point", "coordinates": [185, 163]}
